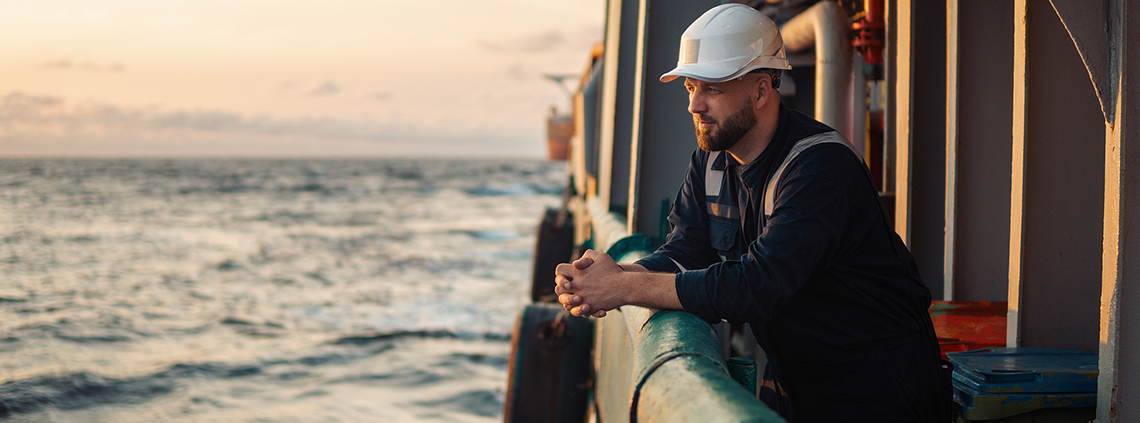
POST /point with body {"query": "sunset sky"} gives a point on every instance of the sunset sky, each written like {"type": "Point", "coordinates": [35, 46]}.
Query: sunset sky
{"type": "Point", "coordinates": [171, 78]}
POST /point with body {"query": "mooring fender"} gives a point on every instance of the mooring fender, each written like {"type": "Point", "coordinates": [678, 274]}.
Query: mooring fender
{"type": "Point", "coordinates": [550, 369]}
{"type": "Point", "coordinates": [554, 245]}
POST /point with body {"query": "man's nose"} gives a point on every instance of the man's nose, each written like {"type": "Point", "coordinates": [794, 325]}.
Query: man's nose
{"type": "Point", "coordinates": [697, 104]}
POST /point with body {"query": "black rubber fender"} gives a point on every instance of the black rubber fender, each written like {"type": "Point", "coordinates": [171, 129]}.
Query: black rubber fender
{"type": "Point", "coordinates": [554, 245]}
{"type": "Point", "coordinates": [550, 373]}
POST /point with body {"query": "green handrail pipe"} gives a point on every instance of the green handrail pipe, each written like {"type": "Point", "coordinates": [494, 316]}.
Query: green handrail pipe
{"type": "Point", "coordinates": [660, 365]}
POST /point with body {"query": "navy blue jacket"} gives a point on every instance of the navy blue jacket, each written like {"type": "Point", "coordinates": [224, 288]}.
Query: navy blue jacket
{"type": "Point", "coordinates": [826, 277]}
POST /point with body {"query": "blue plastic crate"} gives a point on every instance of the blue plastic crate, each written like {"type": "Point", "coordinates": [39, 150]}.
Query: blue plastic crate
{"type": "Point", "coordinates": [1026, 370]}
{"type": "Point", "coordinates": [995, 383]}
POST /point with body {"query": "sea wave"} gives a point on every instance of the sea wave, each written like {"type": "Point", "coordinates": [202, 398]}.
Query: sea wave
{"type": "Point", "coordinates": [207, 290]}
{"type": "Point", "coordinates": [438, 333]}
{"type": "Point", "coordinates": [78, 391]}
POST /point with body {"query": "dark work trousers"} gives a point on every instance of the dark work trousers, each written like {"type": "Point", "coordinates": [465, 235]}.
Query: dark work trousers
{"type": "Point", "coordinates": [902, 382]}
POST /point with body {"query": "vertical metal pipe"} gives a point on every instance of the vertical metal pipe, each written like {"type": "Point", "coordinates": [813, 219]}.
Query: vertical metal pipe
{"type": "Point", "coordinates": [951, 217]}
{"type": "Point", "coordinates": [824, 26]}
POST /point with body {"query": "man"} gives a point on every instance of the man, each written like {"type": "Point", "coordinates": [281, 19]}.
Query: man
{"type": "Point", "coordinates": [778, 224]}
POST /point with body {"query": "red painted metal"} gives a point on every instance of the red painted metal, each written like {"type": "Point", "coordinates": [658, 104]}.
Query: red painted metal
{"type": "Point", "coordinates": [969, 325]}
{"type": "Point", "coordinates": [869, 30]}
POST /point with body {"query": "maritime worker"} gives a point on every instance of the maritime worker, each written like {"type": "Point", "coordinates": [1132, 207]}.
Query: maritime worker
{"type": "Point", "coordinates": [778, 224]}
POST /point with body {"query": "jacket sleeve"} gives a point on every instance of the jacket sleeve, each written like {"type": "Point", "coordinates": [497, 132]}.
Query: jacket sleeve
{"type": "Point", "coordinates": [808, 219]}
{"type": "Point", "coordinates": [688, 242]}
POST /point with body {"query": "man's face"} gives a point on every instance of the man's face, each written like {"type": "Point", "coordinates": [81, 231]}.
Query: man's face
{"type": "Point", "coordinates": [722, 112]}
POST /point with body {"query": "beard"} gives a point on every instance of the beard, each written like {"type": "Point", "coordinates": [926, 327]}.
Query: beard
{"type": "Point", "coordinates": [727, 133]}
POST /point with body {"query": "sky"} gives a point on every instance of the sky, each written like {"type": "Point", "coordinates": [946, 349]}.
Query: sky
{"type": "Point", "coordinates": [262, 78]}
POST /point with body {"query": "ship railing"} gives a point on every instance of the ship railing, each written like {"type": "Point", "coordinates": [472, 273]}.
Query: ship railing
{"type": "Point", "coordinates": [659, 365]}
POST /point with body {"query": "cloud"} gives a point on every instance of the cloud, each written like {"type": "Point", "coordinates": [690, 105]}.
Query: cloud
{"type": "Point", "coordinates": [67, 64]}
{"type": "Point", "coordinates": [17, 101]}
{"type": "Point", "coordinates": [519, 72]}
{"type": "Point", "coordinates": [327, 88]}
{"type": "Point", "coordinates": [531, 43]}
{"type": "Point", "coordinates": [45, 125]}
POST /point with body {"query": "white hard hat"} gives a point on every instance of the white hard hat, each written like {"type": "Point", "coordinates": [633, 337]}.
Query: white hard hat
{"type": "Point", "coordinates": [726, 42]}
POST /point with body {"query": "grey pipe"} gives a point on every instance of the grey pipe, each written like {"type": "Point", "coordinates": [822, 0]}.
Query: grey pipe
{"type": "Point", "coordinates": [824, 26]}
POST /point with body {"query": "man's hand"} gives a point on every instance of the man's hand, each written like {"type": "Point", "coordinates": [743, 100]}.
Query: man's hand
{"type": "Point", "coordinates": [574, 300]}
{"type": "Point", "coordinates": [586, 287]}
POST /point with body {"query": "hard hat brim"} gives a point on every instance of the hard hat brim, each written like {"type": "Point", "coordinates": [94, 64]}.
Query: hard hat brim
{"type": "Point", "coordinates": [696, 71]}
{"type": "Point", "coordinates": [708, 72]}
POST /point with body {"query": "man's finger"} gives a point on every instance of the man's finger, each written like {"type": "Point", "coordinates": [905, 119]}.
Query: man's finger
{"type": "Point", "coordinates": [584, 310]}
{"type": "Point", "coordinates": [577, 311]}
{"type": "Point", "coordinates": [562, 285]}
{"type": "Point", "coordinates": [600, 314]}
{"type": "Point", "coordinates": [583, 263]}
{"type": "Point", "coordinates": [570, 299]}
{"type": "Point", "coordinates": [594, 256]}
{"type": "Point", "coordinates": [565, 269]}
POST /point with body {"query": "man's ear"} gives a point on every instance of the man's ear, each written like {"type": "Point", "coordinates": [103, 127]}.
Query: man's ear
{"type": "Point", "coordinates": [763, 92]}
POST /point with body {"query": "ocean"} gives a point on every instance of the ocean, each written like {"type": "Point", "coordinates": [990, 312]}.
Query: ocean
{"type": "Point", "coordinates": [243, 290]}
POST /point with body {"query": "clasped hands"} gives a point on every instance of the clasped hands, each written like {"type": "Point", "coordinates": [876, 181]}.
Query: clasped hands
{"type": "Point", "coordinates": [587, 286]}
